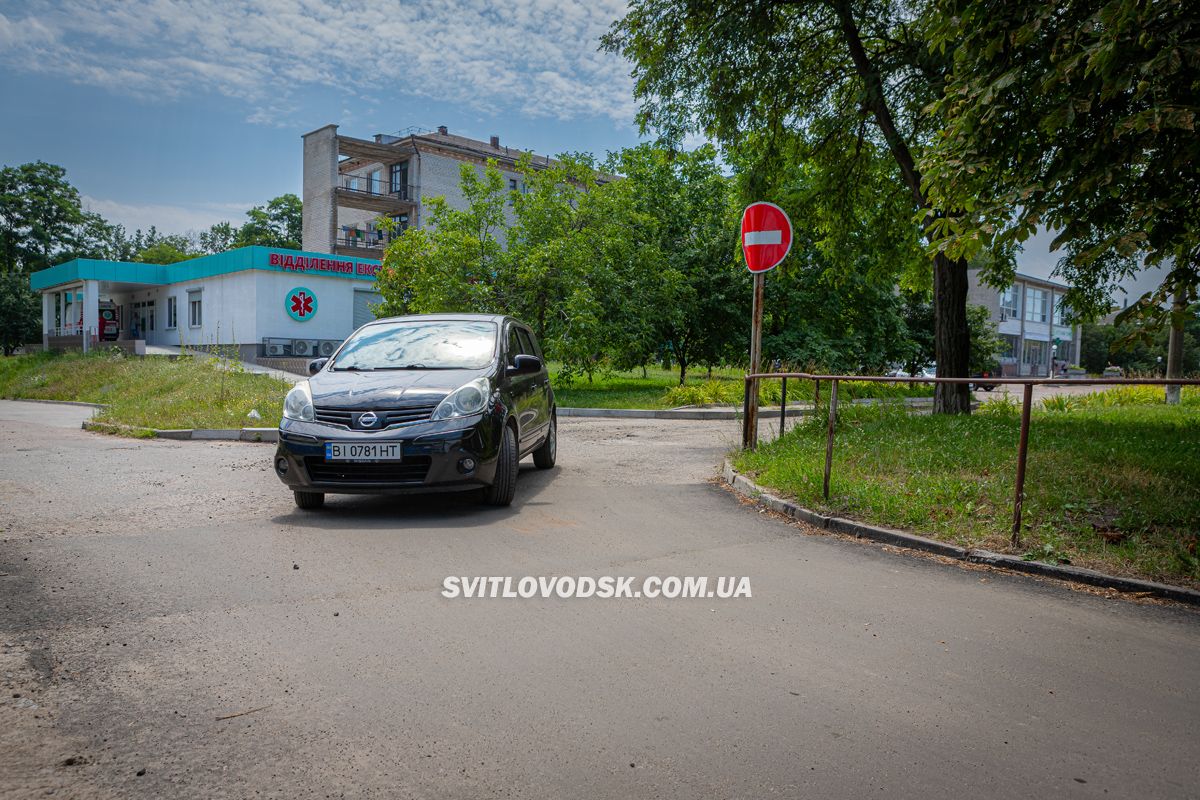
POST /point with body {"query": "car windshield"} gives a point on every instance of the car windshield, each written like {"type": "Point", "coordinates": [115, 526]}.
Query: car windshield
{"type": "Point", "coordinates": [420, 344]}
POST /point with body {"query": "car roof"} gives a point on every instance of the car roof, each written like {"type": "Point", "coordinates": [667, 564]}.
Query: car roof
{"type": "Point", "coordinates": [497, 318]}
{"type": "Point", "coordinates": [491, 318]}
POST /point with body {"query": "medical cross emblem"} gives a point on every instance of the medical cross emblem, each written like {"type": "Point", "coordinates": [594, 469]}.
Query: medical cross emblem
{"type": "Point", "coordinates": [301, 304]}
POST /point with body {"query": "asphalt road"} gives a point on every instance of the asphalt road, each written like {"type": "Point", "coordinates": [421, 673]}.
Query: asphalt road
{"type": "Point", "coordinates": [149, 588]}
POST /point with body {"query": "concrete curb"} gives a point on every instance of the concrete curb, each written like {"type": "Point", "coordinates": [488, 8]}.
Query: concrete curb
{"type": "Point", "coordinates": [96, 406]}
{"type": "Point", "coordinates": [189, 434]}
{"type": "Point", "coordinates": [749, 489]}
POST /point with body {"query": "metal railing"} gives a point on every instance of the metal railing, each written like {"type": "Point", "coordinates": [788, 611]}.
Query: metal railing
{"type": "Point", "coordinates": [376, 187]}
{"type": "Point", "coordinates": [364, 243]}
{"type": "Point", "coordinates": [750, 412]}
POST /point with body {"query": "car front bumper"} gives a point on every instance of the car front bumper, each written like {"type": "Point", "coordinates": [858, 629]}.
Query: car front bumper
{"type": "Point", "coordinates": [432, 457]}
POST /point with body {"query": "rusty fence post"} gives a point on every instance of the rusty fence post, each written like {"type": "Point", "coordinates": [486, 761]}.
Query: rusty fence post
{"type": "Point", "coordinates": [829, 436]}
{"type": "Point", "coordinates": [783, 407]}
{"type": "Point", "coordinates": [746, 443]}
{"type": "Point", "coordinates": [1022, 454]}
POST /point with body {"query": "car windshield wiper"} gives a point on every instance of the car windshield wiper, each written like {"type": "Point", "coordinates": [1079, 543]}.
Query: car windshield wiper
{"type": "Point", "coordinates": [413, 366]}
{"type": "Point", "coordinates": [353, 368]}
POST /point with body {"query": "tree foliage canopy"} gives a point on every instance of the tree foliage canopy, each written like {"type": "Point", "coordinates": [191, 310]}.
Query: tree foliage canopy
{"type": "Point", "coordinates": [1077, 116]}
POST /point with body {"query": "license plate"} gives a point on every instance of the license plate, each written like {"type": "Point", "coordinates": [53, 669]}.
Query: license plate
{"type": "Point", "coordinates": [372, 451]}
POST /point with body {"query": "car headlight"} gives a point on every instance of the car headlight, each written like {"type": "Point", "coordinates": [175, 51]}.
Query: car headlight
{"type": "Point", "coordinates": [470, 398]}
{"type": "Point", "coordinates": [298, 403]}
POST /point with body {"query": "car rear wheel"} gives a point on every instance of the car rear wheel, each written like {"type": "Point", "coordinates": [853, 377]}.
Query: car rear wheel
{"type": "Point", "coordinates": [504, 487]}
{"type": "Point", "coordinates": [309, 500]}
{"type": "Point", "coordinates": [543, 457]}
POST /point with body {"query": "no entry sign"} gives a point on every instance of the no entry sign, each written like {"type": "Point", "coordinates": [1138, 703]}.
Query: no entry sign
{"type": "Point", "coordinates": [766, 236]}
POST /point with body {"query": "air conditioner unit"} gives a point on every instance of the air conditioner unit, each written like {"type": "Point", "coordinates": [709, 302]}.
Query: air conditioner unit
{"type": "Point", "coordinates": [303, 347]}
{"type": "Point", "coordinates": [327, 347]}
{"type": "Point", "coordinates": [277, 347]}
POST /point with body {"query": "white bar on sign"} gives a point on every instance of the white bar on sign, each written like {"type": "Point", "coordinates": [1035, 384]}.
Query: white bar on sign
{"type": "Point", "coordinates": [764, 237]}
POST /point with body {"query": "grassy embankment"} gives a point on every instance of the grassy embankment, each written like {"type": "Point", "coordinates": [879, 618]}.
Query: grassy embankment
{"type": "Point", "coordinates": [158, 392]}
{"type": "Point", "coordinates": [148, 392]}
{"type": "Point", "coordinates": [1113, 478]}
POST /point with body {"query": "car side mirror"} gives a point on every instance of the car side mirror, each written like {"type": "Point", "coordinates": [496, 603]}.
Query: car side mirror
{"type": "Point", "coordinates": [525, 365]}
{"type": "Point", "coordinates": [316, 365]}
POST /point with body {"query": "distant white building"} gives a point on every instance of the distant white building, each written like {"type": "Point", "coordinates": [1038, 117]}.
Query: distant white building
{"type": "Point", "coordinates": [1032, 321]}
{"type": "Point", "coordinates": [350, 183]}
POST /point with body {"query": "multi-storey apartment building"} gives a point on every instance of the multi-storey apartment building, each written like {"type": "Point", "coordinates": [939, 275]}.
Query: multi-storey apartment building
{"type": "Point", "coordinates": [1031, 318]}
{"type": "Point", "coordinates": [350, 183]}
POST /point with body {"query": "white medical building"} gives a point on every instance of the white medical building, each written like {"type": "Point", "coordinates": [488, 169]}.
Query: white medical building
{"type": "Point", "coordinates": [265, 301]}
{"type": "Point", "coordinates": [272, 303]}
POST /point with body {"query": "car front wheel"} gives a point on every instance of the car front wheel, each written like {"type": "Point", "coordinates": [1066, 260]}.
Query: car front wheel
{"type": "Point", "coordinates": [544, 456]}
{"type": "Point", "coordinates": [309, 500]}
{"type": "Point", "coordinates": [504, 487]}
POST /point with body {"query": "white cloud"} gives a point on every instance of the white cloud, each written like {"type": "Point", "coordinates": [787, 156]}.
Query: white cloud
{"type": "Point", "coordinates": [166, 218]}
{"type": "Point", "coordinates": [535, 57]}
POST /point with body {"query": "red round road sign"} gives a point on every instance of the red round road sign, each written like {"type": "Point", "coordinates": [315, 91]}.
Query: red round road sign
{"type": "Point", "coordinates": [766, 236]}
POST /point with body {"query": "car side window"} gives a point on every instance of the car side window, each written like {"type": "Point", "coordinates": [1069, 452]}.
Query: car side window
{"type": "Point", "coordinates": [527, 346]}
{"type": "Point", "coordinates": [514, 344]}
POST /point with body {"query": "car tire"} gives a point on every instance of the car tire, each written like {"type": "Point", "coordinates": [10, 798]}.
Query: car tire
{"type": "Point", "coordinates": [309, 500]}
{"type": "Point", "coordinates": [544, 456]}
{"type": "Point", "coordinates": [504, 486]}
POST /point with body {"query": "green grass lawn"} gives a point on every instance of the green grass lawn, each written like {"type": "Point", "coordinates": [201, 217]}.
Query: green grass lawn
{"type": "Point", "coordinates": [147, 392]}
{"type": "Point", "coordinates": [660, 389]}
{"type": "Point", "coordinates": [1111, 485]}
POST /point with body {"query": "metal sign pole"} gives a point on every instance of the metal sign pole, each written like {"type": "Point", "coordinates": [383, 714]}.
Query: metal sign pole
{"type": "Point", "coordinates": [751, 437]}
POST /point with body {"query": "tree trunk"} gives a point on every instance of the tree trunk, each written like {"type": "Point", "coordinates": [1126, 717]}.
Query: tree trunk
{"type": "Point", "coordinates": [952, 339]}
{"type": "Point", "coordinates": [682, 371]}
{"type": "Point", "coordinates": [1175, 345]}
{"type": "Point", "coordinates": [951, 336]}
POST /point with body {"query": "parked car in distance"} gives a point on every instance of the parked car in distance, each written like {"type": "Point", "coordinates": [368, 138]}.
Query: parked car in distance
{"type": "Point", "coordinates": [987, 387]}
{"type": "Point", "coordinates": [440, 402]}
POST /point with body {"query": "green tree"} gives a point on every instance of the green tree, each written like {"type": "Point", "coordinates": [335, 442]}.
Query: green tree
{"type": "Point", "coordinates": [1139, 349]}
{"type": "Point", "coordinates": [220, 237]}
{"type": "Point", "coordinates": [686, 291]}
{"type": "Point", "coordinates": [985, 340]}
{"type": "Point", "coordinates": [42, 221]}
{"type": "Point", "coordinates": [280, 223]}
{"type": "Point", "coordinates": [1079, 117]}
{"type": "Point", "coordinates": [834, 74]}
{"type": "Point", "coordinates": [455, 264]}
{"type": "Point", "coordinates": [169, 249]}
{"type": "Point", "coordinates": [20, 312]}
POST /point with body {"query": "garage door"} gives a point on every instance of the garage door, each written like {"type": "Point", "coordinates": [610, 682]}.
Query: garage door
{"type": "Point", "coordinates": [363, 302]}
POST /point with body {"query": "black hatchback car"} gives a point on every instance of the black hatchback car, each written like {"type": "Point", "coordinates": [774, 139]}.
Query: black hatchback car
{"type": "Point", "coordinates": [438, 402]}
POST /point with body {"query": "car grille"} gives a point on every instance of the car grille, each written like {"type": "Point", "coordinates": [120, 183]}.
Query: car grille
{"type": "Point", "coordinates": [412, 470]}
{"type": "Point", "coordinates": [387, 416]}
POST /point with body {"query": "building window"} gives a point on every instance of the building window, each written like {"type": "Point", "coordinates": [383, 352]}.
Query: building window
{"type": "Point", "coordinates": [1008, 347]}
{"type": "Point", "coordinates": [1035, 305]}
{"type": "Point", "coordinates": [375, 181]}
{"type": "Point", "coordinates": [1009, 303]}
{"type": "Point", "coordinates": [172, 313]}
{"type": "Point", "coordinates": [399, 180]}
{"type": "Point", "coordinates": [1060, 310]}
{"type": "Point", "coordinates": [1035, 353]}
{"type": "Point", "coordinates": [195, 311]}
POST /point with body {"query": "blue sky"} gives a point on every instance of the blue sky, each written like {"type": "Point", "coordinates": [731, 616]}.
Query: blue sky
{"type": "Point", "coordinates": [181, 113]}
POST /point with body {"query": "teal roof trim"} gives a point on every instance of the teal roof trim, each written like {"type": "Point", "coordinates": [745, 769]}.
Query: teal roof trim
{"type": "Point", "coordinates": [238, 260]}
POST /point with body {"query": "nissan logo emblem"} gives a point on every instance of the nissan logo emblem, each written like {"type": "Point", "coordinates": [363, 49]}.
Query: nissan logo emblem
{"type": "Point", "coordinates": [367, 420]}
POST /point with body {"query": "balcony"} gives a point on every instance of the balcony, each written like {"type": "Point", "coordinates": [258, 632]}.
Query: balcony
{"type": "Point", "coordinates": [371, 194]}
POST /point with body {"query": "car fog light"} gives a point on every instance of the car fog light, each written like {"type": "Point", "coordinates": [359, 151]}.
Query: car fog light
{"type": "Point", "coordinates": [281, 466]}
{"type": "Point", "coordinates": [466, 465]}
